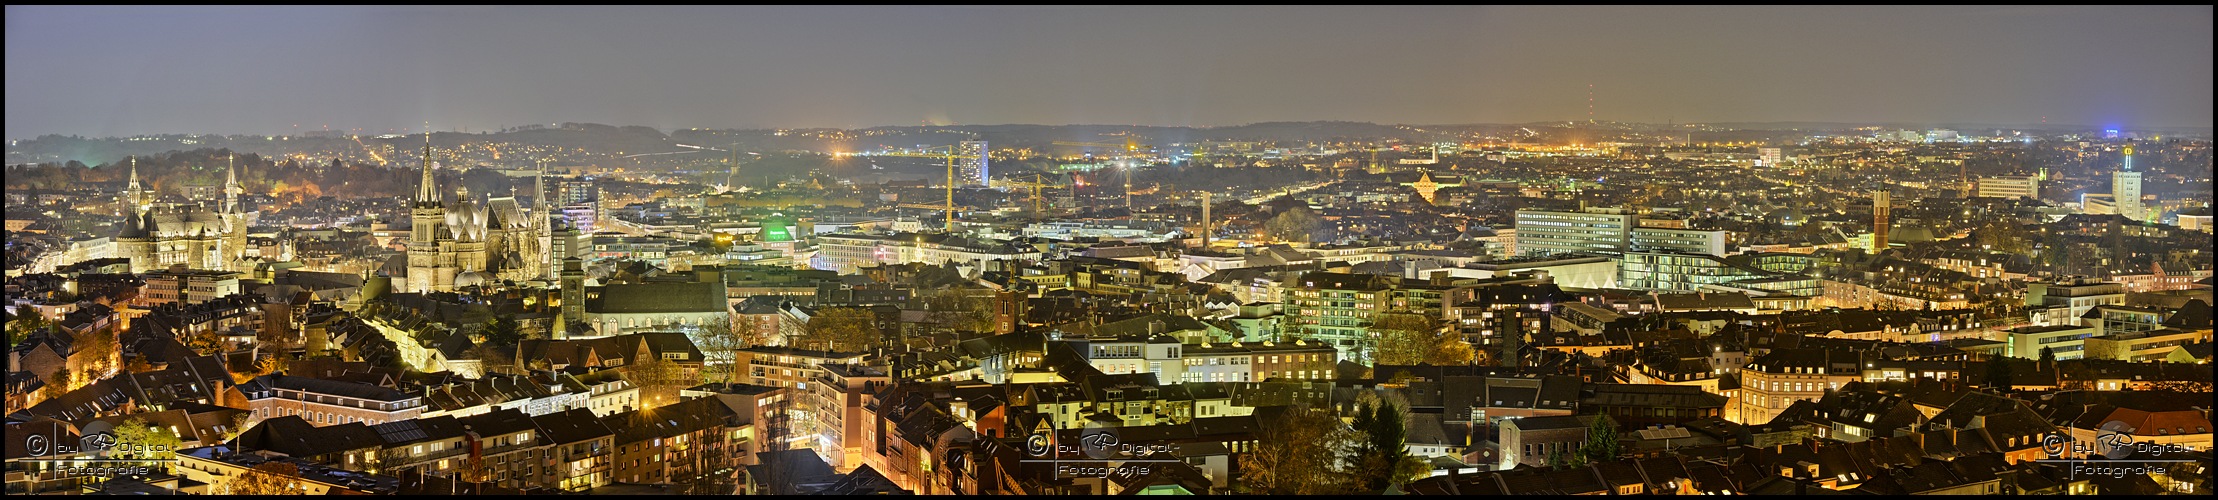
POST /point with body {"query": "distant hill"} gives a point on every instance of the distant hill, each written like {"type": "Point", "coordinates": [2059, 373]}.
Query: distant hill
{"type": "Point", "coordinates": [596, 142]}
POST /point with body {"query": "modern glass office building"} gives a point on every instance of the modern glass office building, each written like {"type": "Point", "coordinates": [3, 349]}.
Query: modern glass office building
{"type": "Point", "coordinates": [1690, 271]}
{"type": "Point", "coordinates": [1610, 231]}
{"type": "Point", "coordinates": [1543, 232]}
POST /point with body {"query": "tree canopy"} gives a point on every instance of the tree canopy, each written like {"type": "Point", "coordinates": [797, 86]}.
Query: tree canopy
{"type": "Point", "coordinates": [23, 326]}
{"type": "Point", "coordinates": [1411, 339]}
{"type": "Point", "coordinates": [1601, 441]}
{"type": "Point", "coordinates": [1381, 455]}
{"type": "Point", "coordinates": [1998, 374]}
{"type": "Point", "coordinates": [502, 331]}
{"type": "Point", "coordinates": [965, 310]}
{"type": "Point", "coordinates": [269, 478]}
{"type": "Point", "coordinates": [1295, 224]}
{"type": "Point", "coordinates": [145, 439]}
{"type": "Point", "coordinates": [843, 329]}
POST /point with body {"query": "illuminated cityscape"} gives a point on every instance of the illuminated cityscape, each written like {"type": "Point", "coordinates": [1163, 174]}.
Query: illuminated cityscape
{"type": "Point", "coordinates": [1151, 250]}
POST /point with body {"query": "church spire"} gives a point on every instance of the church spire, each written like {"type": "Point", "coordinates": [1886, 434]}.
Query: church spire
{"type": "Point", "coordinates": [134, 223]}
{"type": "Point", "coordinates": [731, 182]}
{"type": "Point", "coordinates": [427, 194]}
{"type": "Point", "coordinates": [132, 193]}
{"type": "Point", "coordinates": [231, 184]}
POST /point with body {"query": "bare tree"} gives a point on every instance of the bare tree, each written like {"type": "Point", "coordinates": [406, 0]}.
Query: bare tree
{"type": "Point", "coordinates": [659, 380]}
{"type": "Point", "coordinates": [844, 329]}
{"type": "Point", "coordinates": [1296, 454]}
{"type": "Point", "coordinates": [962, 309]}
{"type": "Point", "coordinates": [721, 343]}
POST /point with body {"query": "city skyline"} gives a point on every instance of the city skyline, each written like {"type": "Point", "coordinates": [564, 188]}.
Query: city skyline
{"type": "Point", "coordinates": [1044, 250]}
{"type": "Point", "coordinates": [380, 69]}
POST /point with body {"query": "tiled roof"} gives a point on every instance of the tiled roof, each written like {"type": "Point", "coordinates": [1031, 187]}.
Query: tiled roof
{"type": "Point", "coordinates": [417, 430]}
{"type": "Point", "coordinates": [658, 297]}
{"type": "Point", "coordinates": [295, 437]}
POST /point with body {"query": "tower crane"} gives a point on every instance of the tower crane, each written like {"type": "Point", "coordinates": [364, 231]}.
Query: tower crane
{"type": "Point", "coordinates": [1131, 148]}
{"type": "Point", "coordinates": [1035, 186]}
{"type": "Point", "coordinates": [950, 156]}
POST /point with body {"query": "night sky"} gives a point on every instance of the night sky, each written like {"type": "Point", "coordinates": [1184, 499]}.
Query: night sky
{"type": "Point", "coordinates": [108, 71]}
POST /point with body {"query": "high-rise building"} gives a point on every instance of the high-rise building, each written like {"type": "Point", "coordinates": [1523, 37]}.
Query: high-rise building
{"type": "Point", "coordinates": [972, 163]}
{"type": "Point", "coordinates": [579, 203]}
{"type": "Point", "coordinates": [2125, 189]}
{"type": "Point", "coordinates": [1770, 157]}
{"type": "Point", "coordinates": [576, 191]}
{"type": "Point", "coordinates": [2010, 186]}
{"type": "Point", "coordinates": [1542, 232]}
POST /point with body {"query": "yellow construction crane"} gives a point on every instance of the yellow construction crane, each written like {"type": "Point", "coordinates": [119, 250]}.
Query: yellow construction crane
{"type": "Point", "coordinates": [1035, 186]}
{"type": "Point", "coordinates": [950, 156]}
{"type": "Point", "coordinates": [1131, 149]}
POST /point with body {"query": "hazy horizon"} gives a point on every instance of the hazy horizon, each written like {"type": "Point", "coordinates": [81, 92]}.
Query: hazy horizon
{"type": "Point", "coordinates": [106, 71]}
{"type": "Point", "coordinates": [1784, 125]}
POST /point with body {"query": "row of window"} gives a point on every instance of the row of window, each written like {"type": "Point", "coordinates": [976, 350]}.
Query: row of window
{"type": "Point", "coordinates": [1544, 449]}
{"type": "Point", "coordinates": [318, 417]}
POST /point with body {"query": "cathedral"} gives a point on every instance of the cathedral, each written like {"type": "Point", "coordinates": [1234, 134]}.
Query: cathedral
{"type": "Point", "coordinates": [468, 243]}
{"type": "Point", "coordinates": [196, 235]}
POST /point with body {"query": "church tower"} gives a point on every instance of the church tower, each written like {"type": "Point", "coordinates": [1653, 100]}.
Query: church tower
{"type": "Point", "coordinates": [135, 241]}
{"type": "Point", "coordinates": [428, 216]}
{"type": "Point", "coordinates": [544, 231]}
{"type": "Point", "coordinates": [134, 195]}
{"type": "Point", "coordinates": [573, 298]}
{"type": "Point", "coordinates": [234, 219]}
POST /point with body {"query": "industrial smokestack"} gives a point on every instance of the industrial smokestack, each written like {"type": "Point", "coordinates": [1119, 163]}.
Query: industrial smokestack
{"type": "Point", "coordinates": [1205, 220]}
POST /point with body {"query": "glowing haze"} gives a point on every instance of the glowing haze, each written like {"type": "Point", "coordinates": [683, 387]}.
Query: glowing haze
{"type": "Point", "coordinates": [109, 71]}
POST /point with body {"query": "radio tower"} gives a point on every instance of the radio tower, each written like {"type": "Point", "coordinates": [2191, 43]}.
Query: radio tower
{"type": "Point", "coordinates": [1590, 103]}
{"type": "Point", "coordinates": [731, 182]}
